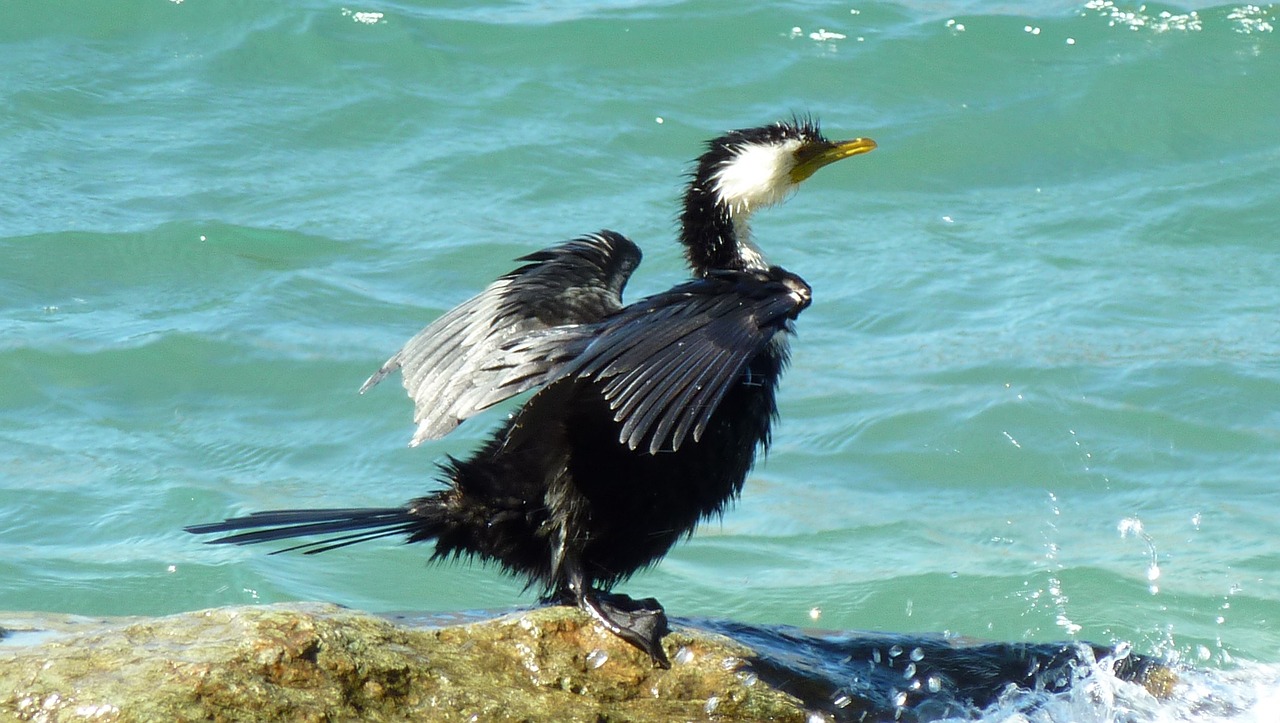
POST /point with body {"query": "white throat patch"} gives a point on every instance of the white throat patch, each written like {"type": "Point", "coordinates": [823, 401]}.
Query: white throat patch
{"type": "Point", "coordinates": [758, 175]}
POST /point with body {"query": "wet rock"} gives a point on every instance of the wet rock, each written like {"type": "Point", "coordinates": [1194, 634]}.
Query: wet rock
{"type": "Point", "coordinates": [313, 662]}
{"type": "Point", "coordinates": [317, 662]}
{"type": "Point", "coordinates": [900, 677]}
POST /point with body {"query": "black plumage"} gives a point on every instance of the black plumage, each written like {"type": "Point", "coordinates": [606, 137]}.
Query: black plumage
{"type": "Point", "coordinates": [647, 417]}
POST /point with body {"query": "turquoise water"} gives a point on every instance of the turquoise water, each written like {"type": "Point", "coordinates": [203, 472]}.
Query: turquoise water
{"type": "Point", "coordinates": [1037, 396]}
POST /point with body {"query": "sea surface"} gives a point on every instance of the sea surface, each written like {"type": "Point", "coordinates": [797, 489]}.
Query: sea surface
{"type": "Point", "coordinates": [1037, 395]}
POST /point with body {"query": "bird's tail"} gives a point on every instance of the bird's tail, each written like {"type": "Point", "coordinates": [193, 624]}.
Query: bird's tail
{"type": "Point", "coordinates": [336, 527]}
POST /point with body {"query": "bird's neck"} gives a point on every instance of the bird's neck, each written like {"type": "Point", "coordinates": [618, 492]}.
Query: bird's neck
{"type": "Point", "coordinates": [716, 236]}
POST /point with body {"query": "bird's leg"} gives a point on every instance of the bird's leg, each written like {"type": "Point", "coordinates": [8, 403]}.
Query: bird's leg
{"type": "Point", "coordinates": [643, 623]}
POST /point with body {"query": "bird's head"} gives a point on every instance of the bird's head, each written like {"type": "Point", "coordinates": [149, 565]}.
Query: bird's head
{"type": "Point", "coordinates": [745, 170]}
{"type": "Point", "coordinates": [758, 167]}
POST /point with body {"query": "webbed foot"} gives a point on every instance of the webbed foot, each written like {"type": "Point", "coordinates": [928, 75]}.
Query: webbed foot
{"type": "Point", "coordinates": [642, 623]}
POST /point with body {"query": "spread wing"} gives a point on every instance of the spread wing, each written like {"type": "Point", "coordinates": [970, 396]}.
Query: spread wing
{"type": "Point", "coordinates": [464, 361]}
{"type": "Point", "coordinates": [666, 362]}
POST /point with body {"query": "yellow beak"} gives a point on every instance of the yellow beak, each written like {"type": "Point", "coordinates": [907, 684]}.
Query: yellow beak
{"type": "Point", "coordinates": [812, 157]}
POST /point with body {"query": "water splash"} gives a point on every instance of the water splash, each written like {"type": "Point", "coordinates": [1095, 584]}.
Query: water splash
{"type": "Point", "coordinates": [1133, 526]}
{"type": "Point", "coordinates": [1247, 694]}
{"type": "Point", "coordinates": [1052, 593]}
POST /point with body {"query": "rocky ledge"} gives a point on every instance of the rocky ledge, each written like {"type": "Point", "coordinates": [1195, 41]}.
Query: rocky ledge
{"type": "Point", "coordinates": [318, 662]}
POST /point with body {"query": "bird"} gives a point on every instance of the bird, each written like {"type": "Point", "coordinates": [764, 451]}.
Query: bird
{"type": "Point", "coordinates": [646, 417]}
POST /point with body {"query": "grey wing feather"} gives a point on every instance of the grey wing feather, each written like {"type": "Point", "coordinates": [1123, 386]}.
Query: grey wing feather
{"type": "Point", "coordinates": [478, 354]}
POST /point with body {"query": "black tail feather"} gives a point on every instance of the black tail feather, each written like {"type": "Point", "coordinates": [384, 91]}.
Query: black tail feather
{"type": "Point", "coordinates": [364, 524]}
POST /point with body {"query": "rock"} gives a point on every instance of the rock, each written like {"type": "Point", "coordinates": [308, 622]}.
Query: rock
{"type": "Point", "coordinates": [318, 662]}
{"type": "Point", "coordinates": [314, 662]}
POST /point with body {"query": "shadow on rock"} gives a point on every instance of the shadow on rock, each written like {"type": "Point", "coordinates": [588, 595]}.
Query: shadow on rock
{"type": "Point", "coordinates": [895, 677]}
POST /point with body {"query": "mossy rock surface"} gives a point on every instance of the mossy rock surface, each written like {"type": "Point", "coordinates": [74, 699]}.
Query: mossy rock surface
{"type": "Point", "coordinates": [316, 662]}
{"type": "Point", "coordinates": [320, 662]}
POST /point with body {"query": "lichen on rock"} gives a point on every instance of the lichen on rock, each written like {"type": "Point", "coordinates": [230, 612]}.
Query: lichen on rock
{"type": "Point", "coordinates": [316, 662]}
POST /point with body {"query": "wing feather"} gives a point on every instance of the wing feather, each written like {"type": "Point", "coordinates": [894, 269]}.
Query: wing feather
{"type": "Point", "coordinates": [635, 383]}
{"type": "Point", "coordinates": [658, 387]}
{"type": "Point", "coordinates": [478, 354]}
{"type": "Point", "coordinates": [665, 363]}
{"type": "Point", "coordinates": [669, 406]}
